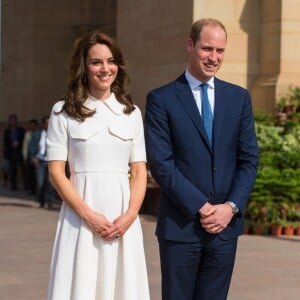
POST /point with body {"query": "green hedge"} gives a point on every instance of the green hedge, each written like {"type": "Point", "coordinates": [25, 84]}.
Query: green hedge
{"type": "Point", "coordinates": [276, 193]}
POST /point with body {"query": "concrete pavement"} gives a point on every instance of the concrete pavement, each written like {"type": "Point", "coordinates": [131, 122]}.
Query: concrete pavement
{"type": "Point", "coordinates": [266, 267]}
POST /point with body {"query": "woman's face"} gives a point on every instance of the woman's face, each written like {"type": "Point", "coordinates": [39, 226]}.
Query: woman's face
{"type": "Point", "coordinates": [101, 70]}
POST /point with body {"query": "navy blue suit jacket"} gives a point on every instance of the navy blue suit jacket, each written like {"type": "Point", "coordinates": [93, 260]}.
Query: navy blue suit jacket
{"type": "Point", "coordinates": [188, 169]}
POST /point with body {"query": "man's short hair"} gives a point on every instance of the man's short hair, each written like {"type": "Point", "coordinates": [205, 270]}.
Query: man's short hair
{"type": "Point", "coordinates": [198, 26]}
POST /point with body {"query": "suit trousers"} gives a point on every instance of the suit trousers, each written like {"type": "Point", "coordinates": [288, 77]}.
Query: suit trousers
{"type": "Point", "coordinates": [197, 271]}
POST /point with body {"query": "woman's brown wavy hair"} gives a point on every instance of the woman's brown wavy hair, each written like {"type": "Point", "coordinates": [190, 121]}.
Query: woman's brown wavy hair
{"type": "Point", "coordinates": [77, 86]}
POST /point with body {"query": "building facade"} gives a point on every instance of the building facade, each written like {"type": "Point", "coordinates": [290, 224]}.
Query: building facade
{"type": "Point", "coordinates": [261, 55]}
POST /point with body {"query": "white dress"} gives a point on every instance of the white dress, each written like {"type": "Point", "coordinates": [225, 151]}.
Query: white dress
{"type": "Point", "coordinates": [99, 150]}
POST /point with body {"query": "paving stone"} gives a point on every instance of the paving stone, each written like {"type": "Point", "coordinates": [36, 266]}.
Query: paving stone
{"type": "Point", "coordinates": [266, 267]}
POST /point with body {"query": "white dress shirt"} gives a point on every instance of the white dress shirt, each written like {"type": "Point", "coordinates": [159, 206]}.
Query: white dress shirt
{"type": "Point", "coordinates": [194, 84]}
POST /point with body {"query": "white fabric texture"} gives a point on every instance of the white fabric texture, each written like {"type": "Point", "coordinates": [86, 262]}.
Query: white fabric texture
{"type": "Point", "coordinates": [83, 266]}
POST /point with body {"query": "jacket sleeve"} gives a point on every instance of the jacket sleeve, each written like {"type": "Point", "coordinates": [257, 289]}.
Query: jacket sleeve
{"type": "Point", "coordinates": [177, 188]}
{"type": "Point", "coordinates": [247, 159]}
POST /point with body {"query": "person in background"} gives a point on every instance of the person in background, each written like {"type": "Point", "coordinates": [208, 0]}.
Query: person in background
{"type": "Point", "coordinates": [33, 147]}
{"type": "Point", "coordinates": [12, 149]}
{"type": "Point", "coordinates": [98, 251]}
{"type": "Point", "coordinates": [202, 151]}
{"type": "Point", "coordinates": [5, 171]}
{"type": "Point", "coordinates": [29, 169]}
{"type": "Point", "coordinates": [44, 190]}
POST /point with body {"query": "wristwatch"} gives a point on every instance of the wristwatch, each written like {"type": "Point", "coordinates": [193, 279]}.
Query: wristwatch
{"type": "Point", "coordinates": [234, 207]}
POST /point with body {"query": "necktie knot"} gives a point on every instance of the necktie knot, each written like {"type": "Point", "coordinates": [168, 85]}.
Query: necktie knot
{"type": "Point", "coordinates": [204, 86]}
{"type": "Point", "coordinates": [207, 115]}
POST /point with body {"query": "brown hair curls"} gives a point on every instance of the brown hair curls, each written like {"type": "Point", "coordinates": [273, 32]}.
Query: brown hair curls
{"type": "Point", "coordinates": [77, 87]}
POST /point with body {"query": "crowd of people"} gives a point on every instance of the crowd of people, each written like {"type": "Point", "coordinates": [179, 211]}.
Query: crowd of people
{"type": "Point", "coordinates": [24, 160]}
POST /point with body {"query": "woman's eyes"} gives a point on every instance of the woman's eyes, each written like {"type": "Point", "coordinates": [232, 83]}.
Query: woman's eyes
{"type": "Point", "coordinates": [98, 62]}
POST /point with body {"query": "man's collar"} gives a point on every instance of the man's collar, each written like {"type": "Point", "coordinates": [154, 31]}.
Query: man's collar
{"type": "Point", "coordinates": [194, 82]}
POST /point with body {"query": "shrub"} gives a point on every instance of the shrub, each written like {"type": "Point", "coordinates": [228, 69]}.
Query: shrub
{"type": "Point", "coordinates": [277, 188]}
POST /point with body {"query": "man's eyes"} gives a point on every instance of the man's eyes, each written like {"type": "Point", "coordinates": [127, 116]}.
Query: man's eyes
{"type": "Point", "coordinates": [209, 49]}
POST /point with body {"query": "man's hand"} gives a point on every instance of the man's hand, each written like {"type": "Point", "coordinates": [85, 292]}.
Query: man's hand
{"type": "Point", "coordinates": [207, 210]}
{"type": "Point", "coordinates": [215, 217]}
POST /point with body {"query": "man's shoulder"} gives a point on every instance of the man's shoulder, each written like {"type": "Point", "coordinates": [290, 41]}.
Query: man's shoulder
{"type": "Point", "coordinates": [169, 87]}
{"type": "Point", "coordinates": [164, 88]}
{"type": "Point", "coordinates": [226, 84]}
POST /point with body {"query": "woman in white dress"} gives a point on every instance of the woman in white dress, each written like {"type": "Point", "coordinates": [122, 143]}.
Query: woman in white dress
{"type": "Point", "coordinates": [98, 250]}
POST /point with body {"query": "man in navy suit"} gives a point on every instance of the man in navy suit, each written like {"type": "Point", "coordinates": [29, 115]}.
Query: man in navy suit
{"type": "Point", "coordinates": [205, 160]}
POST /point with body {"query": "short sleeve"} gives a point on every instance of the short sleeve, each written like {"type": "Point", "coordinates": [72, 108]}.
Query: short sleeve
{"type": "Point", "coordinates": [57, 137]}
{"type": "Point", "coordinates": [138, 152]}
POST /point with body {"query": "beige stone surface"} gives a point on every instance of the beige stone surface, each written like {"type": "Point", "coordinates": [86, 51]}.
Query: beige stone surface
{"type": "Point", "coordinates": [266, 267]}
{"type": "Point", "coordinates": [36, 40]}
{"type": "Point", "coordinates": [261, 54]}
{"type": "Point", "coordinates": [279, 62]}
{"type": "Point", "coordinates": [152, 35]}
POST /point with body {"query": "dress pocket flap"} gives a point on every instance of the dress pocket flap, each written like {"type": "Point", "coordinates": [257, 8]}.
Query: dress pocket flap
{"type": "Point", "coordinates": [122, 131]}
{"type": "Point", "coordinates": [84, 130]}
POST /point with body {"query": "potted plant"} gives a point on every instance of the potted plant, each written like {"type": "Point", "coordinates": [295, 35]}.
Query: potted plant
{"type": "Point", "coordinates": [247, 226]}
{"type": "Point", "coordinates": [276, 220]}
{"type": "Point", "coordinates": [257, 217]}
{"type": "Point", "coordinates": [297, 222]}
{"type": "Point", "coordinates": [297, 228]}
{"type": "Point", "coordinates": [293, 218]}
{"type": "Point", "coordinates": [277, 187]}
{"type": "Point", "coordinates": [288, 228]}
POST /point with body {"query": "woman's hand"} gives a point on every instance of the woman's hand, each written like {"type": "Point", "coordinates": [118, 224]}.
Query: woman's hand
{"type": "Point", "coordinates": [119, 226]}
{"type": "Point", "coordinates": [99, 224]}
{"type": "Point", "coordinates": [107, 230]}
{"type": "Point", "coordinates": [124, 221]}
{"type": "Point", "coordinates": [138, 182]}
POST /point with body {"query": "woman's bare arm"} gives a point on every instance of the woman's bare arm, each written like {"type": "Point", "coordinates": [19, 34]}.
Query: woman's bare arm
{"type": "Point", "coordinates": [96, 221]}
{"type": "Point", "coordinates": [138, 184]}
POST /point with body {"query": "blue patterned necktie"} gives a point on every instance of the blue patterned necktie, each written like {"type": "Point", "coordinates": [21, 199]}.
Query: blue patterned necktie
{"type": "Point", "coordinates": [207, 115]}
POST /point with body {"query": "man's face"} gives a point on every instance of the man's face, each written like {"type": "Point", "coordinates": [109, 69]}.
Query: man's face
{"type": "Point", "coordinates": [207, 54]}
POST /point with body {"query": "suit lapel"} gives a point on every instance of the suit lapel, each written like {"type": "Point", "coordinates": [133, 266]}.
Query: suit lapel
{"type": "Point", "coordinates": [186, 98]}
{"type": "Point", "coordinates": [219, 111]}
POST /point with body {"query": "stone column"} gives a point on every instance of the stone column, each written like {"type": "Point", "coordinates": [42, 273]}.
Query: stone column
{"type": "Point", "coordinates": [242, 20]}
{"type": "Point", "coordinates": [279, 58]}
{"type": "Point", "coordinates": [264, 90]}
{"type": "Point", "coordinates": [289, 47]}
